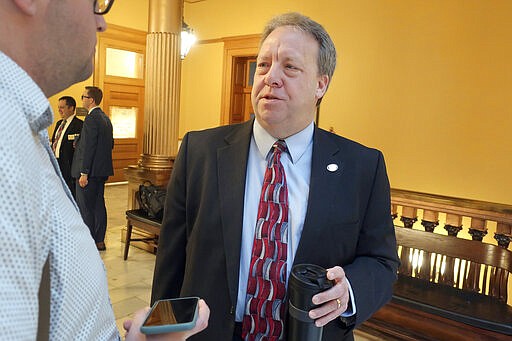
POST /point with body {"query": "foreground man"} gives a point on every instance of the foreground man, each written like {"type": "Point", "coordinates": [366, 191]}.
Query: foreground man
{"type": "Point", "coordinates": [48, 249]}
{"type": "Point", "coordinates": [324, 200]}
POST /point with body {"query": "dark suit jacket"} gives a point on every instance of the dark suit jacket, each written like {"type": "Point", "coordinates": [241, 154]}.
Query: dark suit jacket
{"type": "Point", "coordinates": [67, 148]}
{"type": "Point", "coordinates": [93, 154]}
{"type": "Point", "coordinates": [348, 223]}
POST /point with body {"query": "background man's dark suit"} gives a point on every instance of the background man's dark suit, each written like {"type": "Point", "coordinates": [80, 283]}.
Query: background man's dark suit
{"type": "Point", "coordinates": [348, 223]}
{"type": "Point", "coordinates": [67, 149]}
{"type": "Point", "coordinates": [93, 156]}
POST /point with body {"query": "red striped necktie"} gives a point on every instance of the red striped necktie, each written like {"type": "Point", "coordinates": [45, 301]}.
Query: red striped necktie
{"type": "Point", "coordinates": [266, 286]}
{"type": "Point", "coordinates": [57, 135]}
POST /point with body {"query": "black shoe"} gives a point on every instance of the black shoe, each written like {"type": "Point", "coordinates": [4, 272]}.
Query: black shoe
{"type": "Point", "coordinates": [101, 246]}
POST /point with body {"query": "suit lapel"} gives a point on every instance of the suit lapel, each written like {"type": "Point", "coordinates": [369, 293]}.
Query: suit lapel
{"type": "Point", "coordinates": [57, 125]}
{"type": "Point", "coordinates": [232, 166]}
{"type": "Point", "coordinates": [322, 185]}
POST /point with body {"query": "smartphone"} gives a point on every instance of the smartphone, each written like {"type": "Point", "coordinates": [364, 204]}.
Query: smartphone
{"type": "Point", "coordinates": [171, 315]}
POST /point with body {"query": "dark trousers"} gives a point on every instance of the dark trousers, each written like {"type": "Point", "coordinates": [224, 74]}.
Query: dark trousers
{"type": "Point", "coordinates": [91, 202]}
{"type": "Point", "coordinates": [65, 170]}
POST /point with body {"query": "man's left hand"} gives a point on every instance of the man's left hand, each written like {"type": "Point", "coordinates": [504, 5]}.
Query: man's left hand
{"type": "Point", "coordinates": [83, 180]}
{"type": "Point", "coordinates": [333, 302]}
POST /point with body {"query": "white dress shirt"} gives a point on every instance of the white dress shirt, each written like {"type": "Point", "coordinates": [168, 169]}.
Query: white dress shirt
{"type": "Point", "coordinates": [59, 142]}
{"type": "Point", "coordinates": [39, 220]}
{"type": "Point", "coordinates": [297, 166]}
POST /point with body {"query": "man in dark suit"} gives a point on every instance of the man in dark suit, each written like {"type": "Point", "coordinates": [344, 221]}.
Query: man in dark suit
{"type": "Point", "coordinates": [64, 135]}
{"type": "Point", "coordinates": [335, 212]}
{"type": "Point", "coordinates": [92, 165]}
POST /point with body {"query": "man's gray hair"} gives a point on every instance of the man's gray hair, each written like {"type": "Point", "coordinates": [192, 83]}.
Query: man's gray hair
{"type": "Point", "coordinates": [326, 53]}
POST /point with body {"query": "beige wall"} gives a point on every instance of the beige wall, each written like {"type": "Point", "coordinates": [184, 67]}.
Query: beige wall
{"type": "Point", "coordinates": [426, 82]}
{"type": "Point", "coordinates": [127, 13]}
{"type": "Point", "coordinates": [200, 108]}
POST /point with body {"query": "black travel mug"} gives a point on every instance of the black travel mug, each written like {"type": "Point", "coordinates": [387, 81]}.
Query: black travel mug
{"type": "Point", "coordinates": [306, 280]}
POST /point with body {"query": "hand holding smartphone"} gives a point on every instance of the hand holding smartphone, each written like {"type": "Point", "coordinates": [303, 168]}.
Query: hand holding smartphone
{"type": "Point", "coordinates": [171, 315]}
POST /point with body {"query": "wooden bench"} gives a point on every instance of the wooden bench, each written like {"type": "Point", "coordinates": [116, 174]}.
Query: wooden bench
{"type": "Point", "coordinates": [141, 221]}
{"type": "Point", "coordinates": [448, 288]}
{"type": "Point", "coordinates": [454, 279]}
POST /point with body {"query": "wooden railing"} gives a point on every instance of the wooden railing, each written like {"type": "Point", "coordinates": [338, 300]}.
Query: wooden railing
{"type": "Point", "coordinates": [482, 216]}
{"type": "Point", "coordinates": [454, 278]}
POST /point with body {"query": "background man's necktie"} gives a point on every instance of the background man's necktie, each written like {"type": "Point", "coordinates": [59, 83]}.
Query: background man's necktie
{"type": "Point", "coordinates": [57, 135]}
{"type": "Point", "coordinates": [266, 286]}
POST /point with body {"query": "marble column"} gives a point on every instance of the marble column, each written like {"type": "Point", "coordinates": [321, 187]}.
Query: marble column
{"type": "Point", "coordinates": [162, 88]}
{"type": "Point", "coordinates": [162, 97]}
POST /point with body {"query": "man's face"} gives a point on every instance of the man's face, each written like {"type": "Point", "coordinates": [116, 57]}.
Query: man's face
{"type": "Point", "coordinates": [64, 110]}
{"type": "Point", "coordinates": [286, 82]}
{"type": "Point", "coordinates": [87, 101]}
{"type": "Point", "coordinates": [72, 25]}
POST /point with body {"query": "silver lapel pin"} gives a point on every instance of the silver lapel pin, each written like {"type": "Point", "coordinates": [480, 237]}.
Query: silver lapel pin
{"type": "Point", "coordinates": [332, 167]}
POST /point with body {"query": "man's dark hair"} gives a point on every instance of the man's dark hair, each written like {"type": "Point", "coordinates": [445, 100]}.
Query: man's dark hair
{"type": "Point", "coordinates": [70, 101]}
{"type": "Point", "coordinates": [95, 93]}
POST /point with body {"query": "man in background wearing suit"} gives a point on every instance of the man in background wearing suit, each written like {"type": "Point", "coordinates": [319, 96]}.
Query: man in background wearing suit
{"type": "Point", "coordinates": [92, 165]}
{"type": "Point", "coordinates": [66, 132]}
{"type": "Point", "coordinates": [326, 201]}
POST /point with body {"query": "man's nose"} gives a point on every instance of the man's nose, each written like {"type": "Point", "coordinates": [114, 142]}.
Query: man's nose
{"type": "Point", "coordinates": [273, 78]}
{"type": "Point", "coordinates": [101, 25]}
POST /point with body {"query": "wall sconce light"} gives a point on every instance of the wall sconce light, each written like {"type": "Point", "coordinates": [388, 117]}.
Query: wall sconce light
{"type": "Point", "coordinates": [187, 39]}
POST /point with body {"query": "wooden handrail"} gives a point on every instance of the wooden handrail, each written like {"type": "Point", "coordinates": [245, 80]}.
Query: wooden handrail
{"type": "Point", "coordinates": [455, 209]}
{"type": "Point", "coordinates": [466, 207]}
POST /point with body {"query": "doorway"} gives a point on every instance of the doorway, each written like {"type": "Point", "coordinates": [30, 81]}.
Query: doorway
{"type": "Point", "coordinates": [242, 80]}
{"type": "Point", "coordinates": [238, 74]}
{"type": "Point", "coordinates": [119, 72]}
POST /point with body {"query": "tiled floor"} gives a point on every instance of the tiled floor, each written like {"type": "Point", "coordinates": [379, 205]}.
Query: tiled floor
{"type": "Point", "coordinates": [130, 281]}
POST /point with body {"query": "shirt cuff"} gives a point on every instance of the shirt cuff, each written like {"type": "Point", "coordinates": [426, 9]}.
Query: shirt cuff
{"type": "Point", "coordinates": [351, 308]}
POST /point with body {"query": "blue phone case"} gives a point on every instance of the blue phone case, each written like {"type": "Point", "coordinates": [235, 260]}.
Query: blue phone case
{"type": "Point", "coordinates": [167, 328]}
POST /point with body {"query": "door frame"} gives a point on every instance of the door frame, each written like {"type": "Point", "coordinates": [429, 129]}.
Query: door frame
{"type": "Point", "coordinates": [241, 46]}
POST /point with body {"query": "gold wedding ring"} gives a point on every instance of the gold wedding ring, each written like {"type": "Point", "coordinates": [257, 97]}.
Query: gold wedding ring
{"type": "Point", "coordinates": [339, 303]}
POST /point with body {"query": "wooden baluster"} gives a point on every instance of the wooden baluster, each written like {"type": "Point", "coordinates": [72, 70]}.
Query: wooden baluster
{"type": "Point", "coordinates": [503, 234]}
{"type": "Point", "coordinates": [430, 220]}
{"type": "Point", "coordinates": [453, 224]}
{"type": "Point", "coordinates": [409, 216]}
{"type": "Point", "coordinates": [394, 211]}
{"type": "Point", "coordinates": [477, 231]}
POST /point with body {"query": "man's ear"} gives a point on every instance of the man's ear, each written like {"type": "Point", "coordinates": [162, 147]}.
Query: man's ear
{"type": "Point", "coordinates": [323, 82]}
{"type": "Point", "coordinates": [28, 7]}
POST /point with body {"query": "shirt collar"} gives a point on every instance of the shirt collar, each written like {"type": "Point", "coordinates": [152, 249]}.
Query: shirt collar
{"type": "Point", "coordinates": [70, 118]}
{"type": "Point", "coordinates": [93, 109]}
{"type": "Point", "coordinates": [21, 86]}
{"type": "Point", "coordinates": [297, 143]}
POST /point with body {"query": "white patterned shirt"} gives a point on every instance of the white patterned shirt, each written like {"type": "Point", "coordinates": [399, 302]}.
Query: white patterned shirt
{"type": "Point", "coordinates": [40, 221]}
